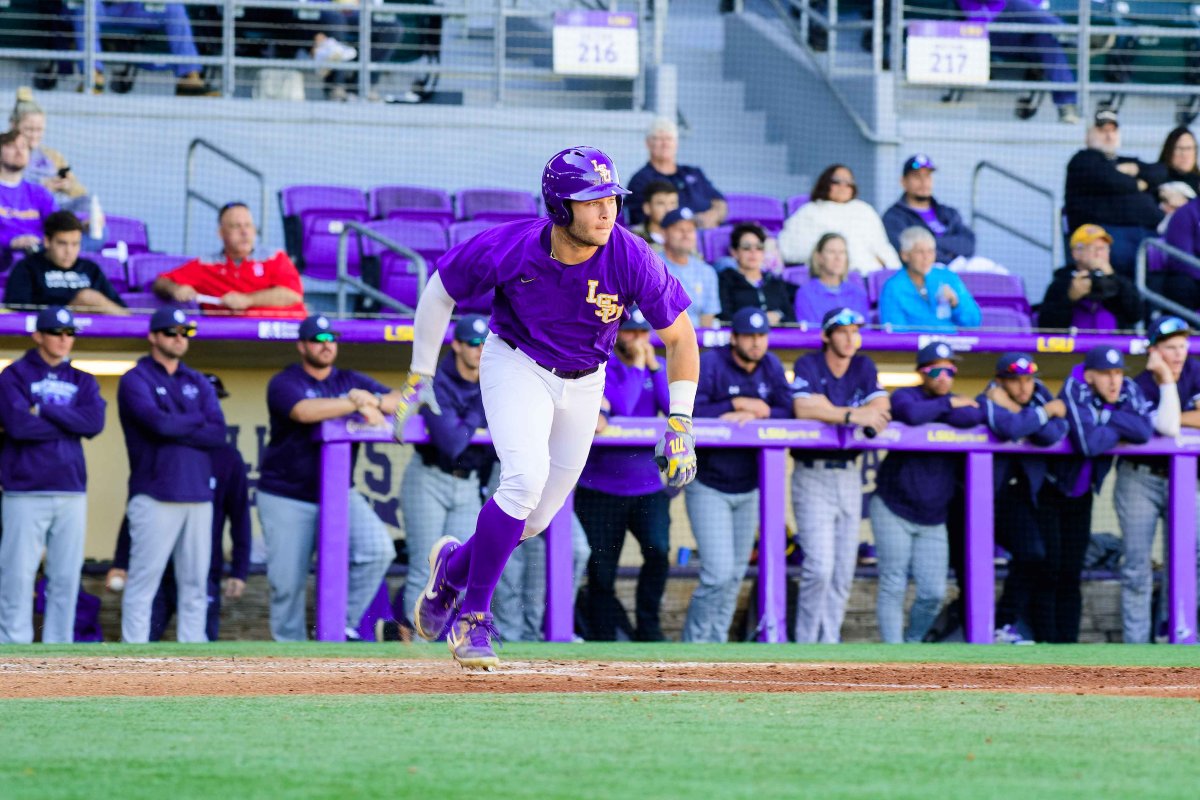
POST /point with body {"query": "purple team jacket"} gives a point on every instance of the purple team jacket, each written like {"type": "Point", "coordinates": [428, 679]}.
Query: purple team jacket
{"type": "Point", "coordinates": [628, 471]}
{"type": "Point", "coordinates": [171, 424]}
{"type": "Point", "coordinates": [43, 452]}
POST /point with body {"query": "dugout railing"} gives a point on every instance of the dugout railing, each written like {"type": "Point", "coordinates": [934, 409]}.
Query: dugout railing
{"type": "Point", "coordinates": [773, 439]}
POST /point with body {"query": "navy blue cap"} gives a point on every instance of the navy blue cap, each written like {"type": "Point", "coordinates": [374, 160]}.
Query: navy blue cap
{"type": "Point", "coordinates": [1102, 358]}
{"type": "Point", "coordinates": [317, 328]}
{"type": "Point", "coordinates": [55, 318]}
{"type": "Point", "coordinates": [750, 320]}
{"type": "Point", "coordinates": [918, 161]}
{"type": "Point", "coordinates": [169, 317]}
{"type": "Point", "coordinates": [636, 322]}
{"type": "Point", "coordinates": [472, 329]}
{"type": "Point", "coordinates": [677, 215]}
{"type": "Point", "coordinates": [1166, 327]}
{"type": "Point", "coordinates": [935, 351]}
{"type": "Point", "coordinates": [839, 317]}
{"type": "Point", "coordinates": [1011, 364]}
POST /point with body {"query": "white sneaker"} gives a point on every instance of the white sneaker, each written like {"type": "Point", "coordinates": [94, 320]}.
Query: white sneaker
{"type": "Point", "coordinates": [1010, 635]}
{"type": "Point", "coordinates": [331, 50]}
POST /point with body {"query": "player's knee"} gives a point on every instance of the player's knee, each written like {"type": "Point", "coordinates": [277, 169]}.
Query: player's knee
{"type": "Point", "coordinates": [520, 494]}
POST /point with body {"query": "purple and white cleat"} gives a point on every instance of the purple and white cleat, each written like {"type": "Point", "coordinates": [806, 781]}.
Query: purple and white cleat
{"type": "Point", "coordinates": [470, 639]}
{"type": "Point", "coordinates": [438, 603]}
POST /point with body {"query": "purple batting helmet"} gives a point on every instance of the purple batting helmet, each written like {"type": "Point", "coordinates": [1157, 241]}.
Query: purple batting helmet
{"type": "Point", "coordinates": [578, 173]}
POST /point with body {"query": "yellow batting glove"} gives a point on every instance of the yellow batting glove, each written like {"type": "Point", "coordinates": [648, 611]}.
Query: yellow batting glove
{"type": "Point", "coordinates": [675, 453]}
{"type": "Point", "coordinates": [416, 392]}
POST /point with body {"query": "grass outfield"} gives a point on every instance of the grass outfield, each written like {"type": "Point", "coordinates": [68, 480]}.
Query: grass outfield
{"type": "Point", "coordinates": [1076, 654]}
{"type": "Point", "coordinates": [693, 746]}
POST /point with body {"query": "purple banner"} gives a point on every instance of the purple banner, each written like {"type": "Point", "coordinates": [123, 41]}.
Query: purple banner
{"type": "Point", "coordinates": [594, 19]}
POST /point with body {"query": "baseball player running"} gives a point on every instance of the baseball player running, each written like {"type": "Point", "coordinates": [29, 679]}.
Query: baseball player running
{"type": "Point", "coordinates": [562, 287]}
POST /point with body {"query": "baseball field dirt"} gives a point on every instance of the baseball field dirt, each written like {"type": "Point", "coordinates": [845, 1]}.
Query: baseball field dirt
{"type": "Point", "coordinates": [225, 676]}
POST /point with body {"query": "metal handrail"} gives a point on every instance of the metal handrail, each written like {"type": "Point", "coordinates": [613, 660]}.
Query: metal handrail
{"type": "Point", "coordinates": [1051, 246]}
{"type": "Point", "coordinates": [1153, 297]}
{"type": "Point", "coordinates": [190, 194]}
{"type": "Point", "coordinates": [346, 281]}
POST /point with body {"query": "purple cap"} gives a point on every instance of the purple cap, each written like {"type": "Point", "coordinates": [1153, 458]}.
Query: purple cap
{"type": "Point", "coordinates": [55, 318]}
{"type": "Point", "coordinates": [1011, 364]}
{"type": "Point", "coordinates": [472, 329]}
{"type": "Point", "coordinates": [1102, 358]}
{"type": "Point", "coordinates": [678, 215]}
{"type": "Point", "coordinates": [918, 161]}
{"type": "Point", "coordinates": [750, 320]}
{"type": "Point", "coordinates": [317, 328]}
{"type": "Point", "coordinates": [935, 351]}
{"type": "Point", "coordinates": [169, 317]}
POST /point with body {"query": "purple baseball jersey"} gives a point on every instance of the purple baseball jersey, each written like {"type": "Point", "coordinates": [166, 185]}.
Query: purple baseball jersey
{"type": "Point", "coordinates": [562, 316]}
{"type": "Point", "coordinates": [857, 387]}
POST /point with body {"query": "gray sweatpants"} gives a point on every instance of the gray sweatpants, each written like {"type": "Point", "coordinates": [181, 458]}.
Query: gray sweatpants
{"type": "Point", "coordinates": [290, 532]}
{"type": "Point", "coordinates": [34, 524]}
{"type": "Point", "coordinates": [435, 504]}
{"type": "Point", "coordinates": [906, 548]}
{"type": "Point", "coordinates": [828, 508]}
{"type": "Point", "coordinates": [724, 526]}
{"type": "Point", "coordinates": [160, 531]}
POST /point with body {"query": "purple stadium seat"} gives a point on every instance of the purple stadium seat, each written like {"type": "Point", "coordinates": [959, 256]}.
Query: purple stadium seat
{"type": "Point", "coordinates": [295, 200]}
{"type": "Point", "coordinates": [875, 282]}
{"type": "Point", "coordinates": [320, 243]}
{"type": "Point", "coordinates": [410, 202]}
{"type": "Point", "coordinates": [426, 236]}
{"type": "Point", "coordinates": [307, 214]}
{"type": "Point", "coordinates": [992, 289]}
{"type": "Point", "coordinates": [796, 275]}
{"type": "Point", "coordinates": [1006, 318]}
{"type": "Point", "coordinates": [148, 301]}
{"type": "Point", "coordinates": [459, 232]}
{"type": "Point", "coordinates": [496, 204]}
{"type": "Point", "coordinates": [128, 230]}
{"type": "Point", "coordinates": [714, 242]}
{"type": "Point", "coordinates": [143, 268]}
{"type": "Point", "coordinates": [766, 211]}
{"type": "Point", "coordinates": [113, 269]}
{"type": "Point", "coordinates": [793, 203]}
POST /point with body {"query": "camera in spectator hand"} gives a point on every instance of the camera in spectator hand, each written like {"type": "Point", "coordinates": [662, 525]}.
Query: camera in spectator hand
{"type": "Point", "coordinates": [1104, 285]}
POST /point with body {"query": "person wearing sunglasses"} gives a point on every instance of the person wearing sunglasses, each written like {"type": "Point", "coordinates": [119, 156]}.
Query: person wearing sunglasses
{"type": "Point", "coordinates": [1103, 409]}
{"type": "Point", "coordinates": [834, 207]}
{"type": "Point", "coordinates": [47, 407]}
{"type": "Point", "coordinates": [172, 422]}
{"type": "Point", "coordinates": [838, 387]}
{"type": "Point", "coordinates": [748, 286]}
{"type": "Point", "coordinates": [925, 296]}
{"type": "Point", "coordinates": [299, 398]}
{"type": "Point", "coordinates": [1017, 406]}
{"type": "Point", "coordinates": [913, 494]}
{"type": "Point", "coordinates": [1091, 295]}
{"type": "Point", "coordinates": [828, 289]}
{"type": "Point", "coordinates": [1171, 385]}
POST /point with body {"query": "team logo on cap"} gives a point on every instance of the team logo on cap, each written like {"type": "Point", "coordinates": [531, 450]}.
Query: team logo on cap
{"type": "Point", "coordinates": [758, 320]}
{"type": "Point", "coordinates": [686, 213]}
{"type": "Point", "coordinates": [943, 351]}
{"type": "Point", "coordinates": [602, 169]}
{"type": "Point", "coordinates": [63, 316]}
{"type": "Point", "coordinates": [1022, 363]}
{"type": "Point", "coordinates": [1113, 357]}
{"type": "Point", "coordinates": [479, 326]}
{"type": "Point", "coordinates": [322, 323]}
{"type": "Point", "coordinates": [179, 317]}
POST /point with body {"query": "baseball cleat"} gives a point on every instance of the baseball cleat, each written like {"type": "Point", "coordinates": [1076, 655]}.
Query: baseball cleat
{"type": "Point", "coordinates": [438, 602]}
{"type": "Point", "coordinates": [470, 640]}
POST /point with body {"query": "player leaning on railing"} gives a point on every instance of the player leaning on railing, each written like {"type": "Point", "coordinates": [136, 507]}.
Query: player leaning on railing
{"type": "Point", "coordinates": [562, 287]}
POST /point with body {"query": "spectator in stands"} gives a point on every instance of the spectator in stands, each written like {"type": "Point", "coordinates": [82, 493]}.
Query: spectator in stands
{"type": "Point", "coordinates": [925, 296]}
{"type": "Point", "coordinates": [153, 20]}
{"type": "Point", "coordinates": [913, 492]}
{"type": "Point", "coordinates": [1045, 54]}
{"type": "Point", "coordinates": [661, 198]}
{"type": "Point", "coordinates": [1177, 161]}
{"type": "Point", "coordinates": [748, 286]}
{"type": "Point", "coordinates": [738, 383]}
{"type": "Point", "coordinates": [1102, 409]}
{"type": "Point", "coordinates": [838, 387]}
{"type": "Point", "coordinates": [172, 422]}
{"type": "Point", "coordinates": [47, 167]}
{"type": "Point", "coordinates": [237, 282]}
{"type": "Point", "coordinates": [440, 491]}
{"type": "Point", "coordinates": [1090, 295]}
{"type": "Point", "coordinates": [299, 398]}
{"type": "Point", "coordinates": [917, 206]}
{"type": "Point", "coordinates": [1106, 189]}
{"type": "Point", "coordinates": [697, 277]}
{"type": "Point", "coordinates": [829, 289]}
{"type": "Point", "coordinates": [56, 275]}
{"type": "Point", "coordinates": [231, 500]}
{"type": "Point", "coordinates": [695, 190]}
{"type": "Point", "coordinates": [24, 205]}
{"type": "Point", "coordinates": [1017, 406]}
{"type": "Point", "coordinates": [1171, 386]}
{"type": "Point", "coordinates": [621, 489]}
{"type": "Point", "coordinates": [1183, 233]}
{"type": "Point", "coordinates": [834, 207]}
{"type": "Point", "coordinates": [47, 407]}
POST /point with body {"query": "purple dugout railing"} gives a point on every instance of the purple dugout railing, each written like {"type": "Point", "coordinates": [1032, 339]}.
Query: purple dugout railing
{"type": "Point", "coordinates": [773, 439]}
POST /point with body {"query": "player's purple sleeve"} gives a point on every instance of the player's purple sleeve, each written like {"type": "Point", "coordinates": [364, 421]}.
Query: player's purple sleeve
{"type": "Point", "coordinates": [711, 400]}
{"type": "Point", "coordinates": [136, 396]}
{"type": "Point", "coordinates": [212, 434]}
{"type": "Point", "coordinates": [469, 269]}
{"type": "Point", "coordinates": [780, 397]}
{"type": "Point", "coordinates": [1088, 435]}
{"type": "Point", "coordinates": [85, 417]}
{"type": "Point", "coordinates": [915, 408]}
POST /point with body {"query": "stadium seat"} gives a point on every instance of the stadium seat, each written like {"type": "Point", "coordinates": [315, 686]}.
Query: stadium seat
{"type": "Point", "coordinates": [397, 276]}
{"type": "Point", "coordinates": [796, 275]}
{"type": "Point", "coordinates": [495, 204]}
{"type": "Point", "coordinates": [149, 301]}
{"type": "Point", "coordinates": [875, 282]}
{"type": "Point", "coordinates": [113, 269]}
{"type": "Point", "coordinates": [128, 230]}
{"type": "Point", "coordinates": [793, 203]}
{"type": "Point", "coordinates": [714, 242]}
{"type": "Point", "coordinates": [410, 202]}
{"type": "Point", "coordinates": [459, 232]}
{"type": "Point", "coordinates": [1005, 318]}
{"type": "Point", "coordinates": [143, 268]}
{"type": "Point", "coordinates": [994, 290]}
{"type": "Point", "coordinates": [760, 208]}
{"type": "Point", "coordinates": [308, 211]}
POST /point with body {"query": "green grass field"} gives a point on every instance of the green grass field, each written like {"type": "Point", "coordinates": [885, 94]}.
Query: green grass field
{"type": "Point", "coordinates": [912, 744]}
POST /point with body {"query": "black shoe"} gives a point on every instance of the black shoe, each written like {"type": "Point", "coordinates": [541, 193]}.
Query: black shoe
{"type": "Point", "coordinates": [1027, 105]}
{"type": "Point", "coordinates": [654, 634]}
{"type": "Point", "coordinates": [45, 77]}
{"type": "Point", "coordinates": [388, 630]}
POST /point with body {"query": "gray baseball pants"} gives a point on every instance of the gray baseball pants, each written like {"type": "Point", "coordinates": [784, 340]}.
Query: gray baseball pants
{"type": "Point", "coordinates": [724, 526]}
{"type": "Point", "coordinates": [53, 524]}
{"type": "Point", "coordinates": [828, 508]}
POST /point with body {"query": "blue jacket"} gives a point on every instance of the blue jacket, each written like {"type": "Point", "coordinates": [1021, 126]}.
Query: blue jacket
{"type": "Point", "coordinates": [1096, 428]}
{"type": "Point", "coordinates": [1031, 424]}
{"type": "Point", "coordinates": [450, 432]}
{"type": "Point", "coordinates": [171, 424]}
{"type": "Point", "coordinates": [955, 240]}
{"type": "Point", "coordinates": [43, 452]}
{"type": "Point", "coordinates": [904, 308]}
{"type": "Point", "coordinates": [920, 486]}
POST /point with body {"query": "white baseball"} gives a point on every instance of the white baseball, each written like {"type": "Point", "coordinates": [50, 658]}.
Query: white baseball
{"type": "Point", "coordinates": [116, 583]}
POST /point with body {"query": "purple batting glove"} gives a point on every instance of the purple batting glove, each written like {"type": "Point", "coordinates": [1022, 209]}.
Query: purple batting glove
{"type": "Point", "coordinates": [416, 392]}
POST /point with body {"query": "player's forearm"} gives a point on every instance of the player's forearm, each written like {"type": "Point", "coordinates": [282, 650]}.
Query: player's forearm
{"type": "Point", "coordinates": [429, 326]}
{"type": "Point", "coordinates": [274, 297]}
{"type": "Point", "coordinates": [813, 408]}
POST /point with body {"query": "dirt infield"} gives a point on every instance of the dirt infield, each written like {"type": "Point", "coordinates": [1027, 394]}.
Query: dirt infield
{"type": "Point", "coordinates": [172, 677]}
